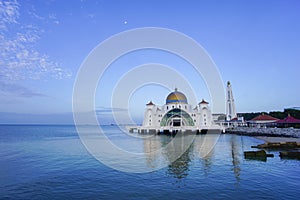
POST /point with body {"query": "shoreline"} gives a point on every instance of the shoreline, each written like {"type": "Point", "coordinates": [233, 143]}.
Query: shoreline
{"type": "Point", "coordinates": [277, 139]}
{"type": "Point", "coordinates": [271, 135]}
{"type": "Point", "coordinates": [267, 132]}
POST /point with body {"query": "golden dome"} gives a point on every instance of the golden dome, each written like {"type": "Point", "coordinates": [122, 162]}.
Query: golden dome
{"type": "Point", "coordinates": [176, 97]}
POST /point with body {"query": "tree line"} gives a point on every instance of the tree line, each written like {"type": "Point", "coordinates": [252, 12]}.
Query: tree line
{"type": "Point", "coordinates": [277, 114]}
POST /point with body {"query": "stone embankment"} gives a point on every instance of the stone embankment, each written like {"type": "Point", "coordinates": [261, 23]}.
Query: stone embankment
{"type": "Point", "coordinates": [270, 132]}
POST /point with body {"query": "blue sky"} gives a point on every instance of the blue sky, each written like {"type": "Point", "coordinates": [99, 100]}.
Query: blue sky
{"type": "Point", "coordinates": [255, 45]}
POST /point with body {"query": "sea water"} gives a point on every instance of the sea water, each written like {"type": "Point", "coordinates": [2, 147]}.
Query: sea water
{"type": "Point", "coordinates": [50, 162]}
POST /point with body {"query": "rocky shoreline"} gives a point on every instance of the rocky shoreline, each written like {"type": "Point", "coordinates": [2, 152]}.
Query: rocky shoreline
{"type": "Point", "coordinates": [269, 132]}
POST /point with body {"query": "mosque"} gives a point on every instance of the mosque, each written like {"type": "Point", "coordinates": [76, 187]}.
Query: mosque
{"type": "Point", "coordinates": [178, 115]}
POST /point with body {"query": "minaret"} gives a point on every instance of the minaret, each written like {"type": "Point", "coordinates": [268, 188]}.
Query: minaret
{"type": "Point", "coordinates": [230, 106]}
{"type": "Point", "coordinates": [148, 116]}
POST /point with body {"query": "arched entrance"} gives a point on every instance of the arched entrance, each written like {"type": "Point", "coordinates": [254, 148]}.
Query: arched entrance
{"type": "Point", "coordinates": [176, 118]}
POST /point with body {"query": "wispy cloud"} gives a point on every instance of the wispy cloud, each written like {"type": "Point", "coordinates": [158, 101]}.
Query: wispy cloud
{"type": "Point", "coordinates": [19, 57]}
{"type": "Point", "coordinates": [9, 12]}
{"type": "Point", "coordinates": [15, 90]}
{"type": "Point", "coordinates": [104, 110]}
{"type": "Point", "coordinates": [29, 118]}
{"type": "Point", "coordinates": [52, 17]}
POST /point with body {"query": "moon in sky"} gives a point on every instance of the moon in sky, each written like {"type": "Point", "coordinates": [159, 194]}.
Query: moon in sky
{"type": "Point", "coordinates": [125, 22]}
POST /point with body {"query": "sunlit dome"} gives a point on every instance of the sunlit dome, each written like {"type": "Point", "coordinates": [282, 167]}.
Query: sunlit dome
{"type": "Point", "coordinates": [176, 97]}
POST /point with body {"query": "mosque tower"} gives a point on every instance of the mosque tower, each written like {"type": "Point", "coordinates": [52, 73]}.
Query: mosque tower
{"type": "Point", "coordinates": [230, 105]}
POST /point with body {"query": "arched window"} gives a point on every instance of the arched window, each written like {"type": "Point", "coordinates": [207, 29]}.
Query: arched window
{"type": "Point", "coordinates": [174, 113]}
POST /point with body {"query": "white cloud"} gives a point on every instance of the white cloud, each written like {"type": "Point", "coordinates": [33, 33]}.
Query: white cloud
{"type": "Point", "coordinates": [9, 12]}
{"type": "Point", "coordinates": [19, 58]}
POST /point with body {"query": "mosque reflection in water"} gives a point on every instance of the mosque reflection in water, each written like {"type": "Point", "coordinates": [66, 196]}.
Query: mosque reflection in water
{"type": "Point", "coordinates": [206, 150]}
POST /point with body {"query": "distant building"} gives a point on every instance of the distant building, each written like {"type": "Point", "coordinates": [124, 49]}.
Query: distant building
{"type": "Point", "coordinates": [289, 121]}
{"type": "Point", "coordinates": [237, 121]}
{"type": "Point", "coordinates": [219, 117]}
{"type": "Point", "coordinates": [262, 120]}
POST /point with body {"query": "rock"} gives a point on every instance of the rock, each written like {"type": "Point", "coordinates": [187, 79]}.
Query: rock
{"type": "Point", "coordinates": [290, 155]}
{"type": "Point", "coordinates": [274, 132]}
{"type": "Point", "coordinates": [277, 145]}
{"type": "Point", "coordinates": [292, 144]}
{"type": "Point", "coordinates": [261, 155]}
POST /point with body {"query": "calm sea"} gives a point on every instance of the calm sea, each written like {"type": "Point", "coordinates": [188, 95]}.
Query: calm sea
{"type": "Point", "coordinates": [50, 162]}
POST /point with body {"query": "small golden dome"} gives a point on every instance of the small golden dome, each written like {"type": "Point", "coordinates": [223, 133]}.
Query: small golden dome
{"type": "Point", "coordinates": [176, 97]}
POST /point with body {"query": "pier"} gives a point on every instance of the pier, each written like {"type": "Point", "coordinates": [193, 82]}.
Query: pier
{"type": "Point", "coordinates": [174, 130]}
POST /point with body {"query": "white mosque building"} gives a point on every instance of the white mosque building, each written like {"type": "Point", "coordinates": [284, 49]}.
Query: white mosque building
{"type": "Point", "coordinates": [177, 115]}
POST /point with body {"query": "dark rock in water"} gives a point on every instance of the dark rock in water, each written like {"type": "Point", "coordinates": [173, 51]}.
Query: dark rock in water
{"type": "Point", "coordinates": [259, 155]}
{"type": "Point", "coordinates": [290, 155]}
{"type": "Point", "coordinates": [277, 145]}
{"type": "Point", "coordinates": [292, 144]}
